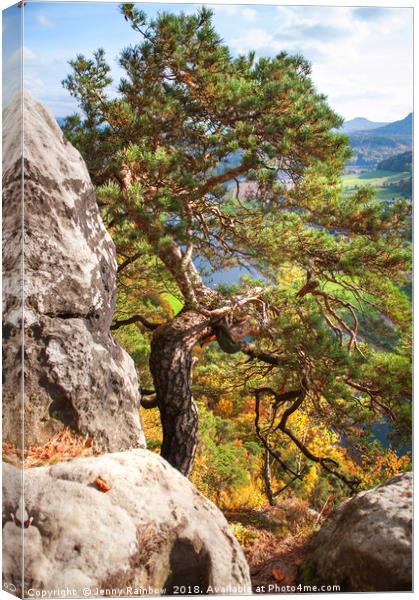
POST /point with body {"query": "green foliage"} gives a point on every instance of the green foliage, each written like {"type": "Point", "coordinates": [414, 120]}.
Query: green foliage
{"type": "Point", "coordinates": [186, 109]}
{"type": "Point", "coordinates": [404, 187]}
{"type": "Point", "coordinates": [243, 534]}
{"type": "Point", "coordinates": [175, 304]}
{"type": "Point", "coordinates": [137, 344]}
{"type": "Point", "coordinates": [307, 573]}
{"type": "Point", "coordinates": [235, 161]}
{"type": "Point", "coordinates": [222, 462]}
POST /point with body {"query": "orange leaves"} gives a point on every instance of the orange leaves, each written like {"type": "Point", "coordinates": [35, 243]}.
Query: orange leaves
{"type": "Point", "coordinates": [102, 485]}
{"type": "Point", "coordinates": [383, 465]}
{"type": "Point", "coordinates": [224, 407]}
{"type": "Point", "coordinates": [62, 446]}
{"type": "Point", "coordinates": [281, 577]}
{"type": "Point", "coordinates": [278, 575]}
{"type": "Point", "coordinates": [288, 577]}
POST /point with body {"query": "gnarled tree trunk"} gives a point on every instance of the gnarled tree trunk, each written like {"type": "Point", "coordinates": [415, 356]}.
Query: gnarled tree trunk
{"type": "Point", "coordinates": [267, 480]}
{"type": "Point", "coordinates": [171, 365]}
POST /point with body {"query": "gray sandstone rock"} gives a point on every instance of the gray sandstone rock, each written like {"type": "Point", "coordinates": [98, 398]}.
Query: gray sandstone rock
{"type": "Point", "coordinates": [365, 545]}
{"type": "Point", "coordinates": [153, 529]}
{"type": "Point", "coordinates": [75, 373]}
{"type": "Point", "coordinates": [12, 267]}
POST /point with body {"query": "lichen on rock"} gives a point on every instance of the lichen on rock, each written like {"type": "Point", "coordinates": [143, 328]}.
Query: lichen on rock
{"type": "Point", "coordinates": [152, 529]}
{"type": "Point", "coordinates": [75, 373]}
{"type": "Point", "coordinates": [365, 545]}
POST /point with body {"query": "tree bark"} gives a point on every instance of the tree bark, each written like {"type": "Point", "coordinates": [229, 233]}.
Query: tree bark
{"type": "Point", "coordinates": [171, 366]}
{"type": "Point", "coordinates": [266, 472]}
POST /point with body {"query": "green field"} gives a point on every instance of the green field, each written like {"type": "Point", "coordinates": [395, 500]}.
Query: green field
{"type": "Point", "coordinates": [383, 181]}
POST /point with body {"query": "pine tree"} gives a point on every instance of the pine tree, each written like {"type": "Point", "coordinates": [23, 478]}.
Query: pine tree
{"type": "Point", "coordinates": [209, 160]}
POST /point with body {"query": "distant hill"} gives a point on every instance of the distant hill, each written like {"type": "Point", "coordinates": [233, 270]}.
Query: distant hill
{"type": "Point", "coordinates": [398, 162]}
{"type": "Point", "coordinates": [398, 128]}
{"type": "Point", "coordinates": [359, 124]}
{"type": "Point", "coordinates": [398, 131]}
{"type": "Point", "coordinates": [371, 146]}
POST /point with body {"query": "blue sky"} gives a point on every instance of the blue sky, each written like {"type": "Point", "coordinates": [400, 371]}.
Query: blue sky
{"type": "Point", "coordinates": [362, 58]}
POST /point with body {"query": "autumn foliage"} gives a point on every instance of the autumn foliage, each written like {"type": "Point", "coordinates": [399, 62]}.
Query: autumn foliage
{"type": "Point", "coordinates": [206, 161]}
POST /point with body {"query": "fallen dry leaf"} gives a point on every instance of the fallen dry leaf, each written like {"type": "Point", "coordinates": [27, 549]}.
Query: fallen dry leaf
{"type": "Point", "coordinates": [278, 575]}
{"type": "Point", "coordinates": [102, 485]}
{"type": "Point", "coordinates": [62, 446]}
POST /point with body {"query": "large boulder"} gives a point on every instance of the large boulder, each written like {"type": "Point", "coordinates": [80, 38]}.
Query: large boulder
{"type": "Point", "coordinates": [151, 531]}
{"type": "Point", "coordinates": [76, 375]}
{"type": "Point", "coordinates": [365, 545]}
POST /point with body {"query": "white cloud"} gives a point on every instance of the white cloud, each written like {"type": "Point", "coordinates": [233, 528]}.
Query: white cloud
{"type": "Point", "coordinates": [249, 14]}
{"type": "Point", "coordinates": [13, 71]}
{"type": "Point", "coordinates": [29, 55]}
{"type": "Point", "coordinates": [230, 10]}
{"type": "Point", "coordinates": [361, 59]}
{"type": "Point", "coordinates": [371, 73]}
{"type": "Point", "coordinates": [42, 75]}
{"type": "Point", "coordinates": [44, 22]}
{"type": "Point", "coordinates": [257, 39]}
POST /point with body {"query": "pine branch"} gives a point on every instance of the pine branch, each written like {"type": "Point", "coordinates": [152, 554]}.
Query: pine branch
{"type": "Point", "coordinates": [128, 261]}
{"type": "Point", "coordinates": [135, 319]}
{"type": "Point", "coordinates": [327, 464]}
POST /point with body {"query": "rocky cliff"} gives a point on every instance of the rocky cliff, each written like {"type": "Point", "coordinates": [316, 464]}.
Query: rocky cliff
{"type": "Point", "coordinates": [76, 375]}
{"type": "Point", "coordinates": [12, 271]}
